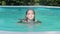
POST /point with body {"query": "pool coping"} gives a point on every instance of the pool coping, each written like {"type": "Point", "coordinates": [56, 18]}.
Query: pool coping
{"type": "Point", "coordinates": [34, 6]}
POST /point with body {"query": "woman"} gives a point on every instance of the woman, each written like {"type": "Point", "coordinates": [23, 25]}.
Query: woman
{"type": "Point", "coordinates": [30, 18]}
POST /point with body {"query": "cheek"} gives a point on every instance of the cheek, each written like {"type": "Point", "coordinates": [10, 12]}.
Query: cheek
{"type": "Point", "coordinates": [28, 16]}
{"type": "Point", "coordinates": [32, 16]}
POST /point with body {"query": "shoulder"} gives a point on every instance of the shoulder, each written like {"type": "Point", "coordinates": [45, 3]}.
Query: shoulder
{"type": "Point", "coordinates": [22, 21]}
{"type": "Point", "coordinates": [37, 21]}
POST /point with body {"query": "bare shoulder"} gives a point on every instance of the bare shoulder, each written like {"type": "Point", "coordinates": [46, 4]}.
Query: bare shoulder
{"type": "Point", "coordinates": [22, 21]}
{"type": "Point", "coordinates": [37, 21]}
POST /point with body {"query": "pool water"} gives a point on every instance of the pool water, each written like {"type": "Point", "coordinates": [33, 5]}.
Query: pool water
{"type": "Point", "coordinates": [9, 16]}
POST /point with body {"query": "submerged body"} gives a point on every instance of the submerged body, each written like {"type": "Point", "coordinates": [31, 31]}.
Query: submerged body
{"type": "Point", "coordinates": [30, 19]}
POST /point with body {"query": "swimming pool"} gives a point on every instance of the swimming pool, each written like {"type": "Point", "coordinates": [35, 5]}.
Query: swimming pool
{"type": "Point", "coordinates": [9, 16]}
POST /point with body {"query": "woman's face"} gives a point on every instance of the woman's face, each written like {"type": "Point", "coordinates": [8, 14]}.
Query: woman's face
{"type": "Point", "coordinates": [30, 14]}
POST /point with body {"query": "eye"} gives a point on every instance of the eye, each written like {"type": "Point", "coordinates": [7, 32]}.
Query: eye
{"type": "Point", "coordinates": [33, 13]}
{"type": "Point", "coordinates": [28, 14]}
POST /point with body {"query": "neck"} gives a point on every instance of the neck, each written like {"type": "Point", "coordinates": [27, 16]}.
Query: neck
{"type": "Point", "coordinates": [30, 19]}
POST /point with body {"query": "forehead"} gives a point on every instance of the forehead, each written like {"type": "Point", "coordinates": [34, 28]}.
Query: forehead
{"type": "Point", "coordinates": [30, 11]}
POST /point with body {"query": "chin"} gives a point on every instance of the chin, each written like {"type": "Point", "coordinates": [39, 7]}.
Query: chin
{"type": "Point", "coordinates": [30, 18]}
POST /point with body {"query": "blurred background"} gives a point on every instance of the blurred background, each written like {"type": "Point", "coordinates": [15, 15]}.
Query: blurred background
{"type": "Point", "coordinates": [30, 2]}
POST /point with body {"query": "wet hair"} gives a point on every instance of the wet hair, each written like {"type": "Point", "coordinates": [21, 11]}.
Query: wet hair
{"type": "Point", "coordinates": [33, 12]}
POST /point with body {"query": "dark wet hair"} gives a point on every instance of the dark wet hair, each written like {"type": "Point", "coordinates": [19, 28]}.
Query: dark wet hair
{"type": "Point", "coordinates": [33, 12]}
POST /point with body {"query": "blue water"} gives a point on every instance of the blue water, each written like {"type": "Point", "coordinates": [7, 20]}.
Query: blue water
{"type": "Point", "coordinates": [9, 16]}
